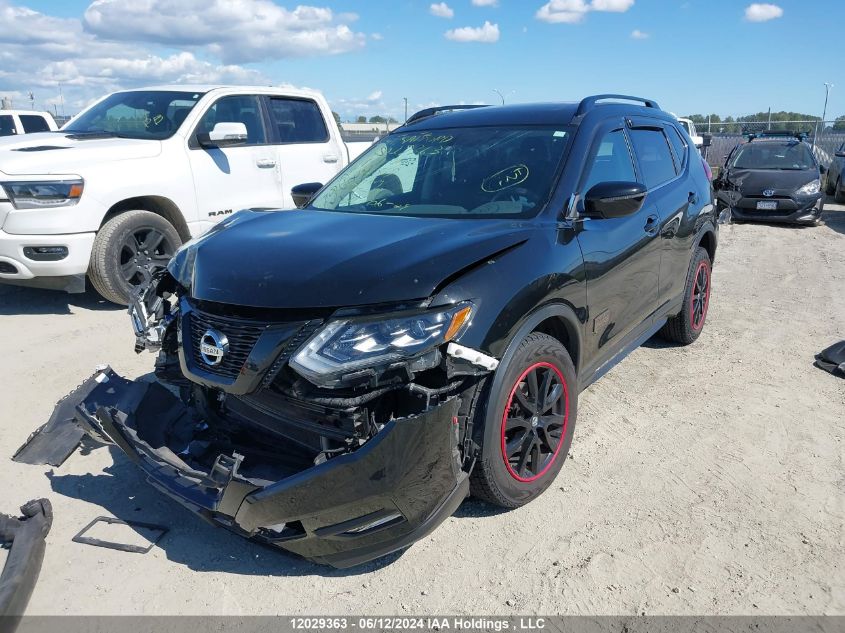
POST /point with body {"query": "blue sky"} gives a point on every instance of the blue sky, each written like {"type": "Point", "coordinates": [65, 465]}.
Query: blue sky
{"type": "Point", "coordinates": [693, 56]}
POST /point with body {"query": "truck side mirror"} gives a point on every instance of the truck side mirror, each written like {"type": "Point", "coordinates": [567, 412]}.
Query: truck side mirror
{"type": "Point", "coordinates": [614, 199]}
{"type": "Point", "coordinates": [224, 134]}
{"type": "Point", "coordinates": [303, 193]}
{"type": "Point", "coordinates": [706, 140]}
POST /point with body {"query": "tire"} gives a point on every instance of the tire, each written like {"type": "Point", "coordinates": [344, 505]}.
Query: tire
{"type": "Point", "coordinates": [686, 326]}
{"type": "Point", "coordinates": [839, 193]}
{"type": "Point", "coordinates": [501, 477]}
{"type": "Point", "coordinates": [119, 261]}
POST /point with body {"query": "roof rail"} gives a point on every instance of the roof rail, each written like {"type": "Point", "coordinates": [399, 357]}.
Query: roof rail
{"type": "Point", "coordinates": [588, 103]}
{"type": "Point", "coordinates": [777, 134]}
{"type": "Point", "coordinates": [424, 114]}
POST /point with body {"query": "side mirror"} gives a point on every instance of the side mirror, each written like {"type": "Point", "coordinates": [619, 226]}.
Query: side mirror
{"type": "Point", "coordinates": [614, 199]}
{"type": "Point", "coordinates": [303, 193]}
{"type": "Point", "coordinates": [706, 140]}
{"type": "Point", "coordinates": [224, 134]}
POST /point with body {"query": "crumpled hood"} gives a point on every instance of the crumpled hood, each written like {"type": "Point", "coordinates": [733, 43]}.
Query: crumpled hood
{"type": "Point", "coordinates": [783, 181]}
{"type": "Point", "coordinates": [310, 259]}
{"type": "Point", "coordinates": [57, 153]}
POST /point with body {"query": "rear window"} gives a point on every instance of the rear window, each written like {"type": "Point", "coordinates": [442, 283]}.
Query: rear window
{"type": "Point", "coordinates": [788, 156]}
{"type": "Point", "coordinates": [654, 156]}
{"type": "Point", "coordinates": [298, 121]}
{"type": "Point", "coordinates": [7, 125]}
{"type": "Point", "coordinates": [33, 123]}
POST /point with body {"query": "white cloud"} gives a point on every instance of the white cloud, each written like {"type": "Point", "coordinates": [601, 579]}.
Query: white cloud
{"type": "Point", "coordinates": [485, 3]}
{"type": "Point", "coordinates": [574, 11]}
{"type": "Point", "coordinates": [441, 10]}
{"type": "Point", "coordinates": [378, 37]}
{"type": "Point", "coordinates": [487, 33]}
{"type": "Point", "coordinates": [234, 30]}
{"type": "Point", "coordinates": [639, 35]}
{"type": "Point", "coordinates": [762, 12]}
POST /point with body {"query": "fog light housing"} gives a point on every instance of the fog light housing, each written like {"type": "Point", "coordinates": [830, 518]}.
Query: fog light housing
{"type": "Point", "coordinates": [45, 253]}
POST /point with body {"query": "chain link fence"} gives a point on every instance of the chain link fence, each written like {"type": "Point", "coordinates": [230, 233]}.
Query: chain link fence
{"type": "Point", "coordinates": [725, 136]}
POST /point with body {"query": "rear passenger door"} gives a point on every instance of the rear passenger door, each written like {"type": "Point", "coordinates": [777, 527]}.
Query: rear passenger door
{"type": "Point", "coordinates": [305, 150]}
{"type": "Point", "coordinates": [663, 156]}
{"type": "Point", "coordinates": [621, 255]}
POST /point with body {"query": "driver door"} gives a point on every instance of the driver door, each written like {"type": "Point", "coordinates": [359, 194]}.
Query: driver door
{"type": "Point", "coordinates": [621, 255]}
{"type": "Point", "coordinates": [227, 179]}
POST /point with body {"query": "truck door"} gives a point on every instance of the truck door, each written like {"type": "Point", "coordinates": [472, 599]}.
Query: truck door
{"type": "Point", "coordinates": [305, 150]}
{"type": "Point", "coordinates": [228, 179]}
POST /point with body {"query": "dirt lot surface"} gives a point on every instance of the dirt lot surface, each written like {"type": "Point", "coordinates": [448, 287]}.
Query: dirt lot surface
{"type": "Point", "coordinates": [704, 480]}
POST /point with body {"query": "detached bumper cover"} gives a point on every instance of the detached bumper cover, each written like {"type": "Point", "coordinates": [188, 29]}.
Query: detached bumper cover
{"type": "Point", "coordinates": [353, 508]}
{"type": "Point", "coordinates": [23, 564]}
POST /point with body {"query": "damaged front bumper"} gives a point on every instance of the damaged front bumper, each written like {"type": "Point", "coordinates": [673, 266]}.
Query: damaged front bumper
{"type": "Point", "coordinates": [391, 491]}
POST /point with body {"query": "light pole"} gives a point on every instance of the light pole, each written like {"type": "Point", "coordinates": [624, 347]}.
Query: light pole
{"type": "Point", "coordinates": [827, 88]}
{"type": "Point", "coordinates": [406, 108]}
{"type": "Point", "coordinates": [501, 96]}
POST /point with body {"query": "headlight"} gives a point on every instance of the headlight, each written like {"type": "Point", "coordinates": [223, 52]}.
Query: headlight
{"type": "Point", "coordinates": [345, 346]}
{"type": "Point", "coordinates": [810, 189]}
{"type": "Point", "coordinates": [44, 194]}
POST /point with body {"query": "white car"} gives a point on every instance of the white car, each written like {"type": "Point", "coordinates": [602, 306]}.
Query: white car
{"type": "Point", "coordinates": [116, 191]}
{"type": "Point", "coordinates": [689, 126]}
{"type": "Point", "coordinates": [13, 122]}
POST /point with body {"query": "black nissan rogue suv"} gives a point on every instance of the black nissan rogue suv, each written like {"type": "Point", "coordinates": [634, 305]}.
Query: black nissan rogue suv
{"type": "Point", "coordinates": [350, 371]}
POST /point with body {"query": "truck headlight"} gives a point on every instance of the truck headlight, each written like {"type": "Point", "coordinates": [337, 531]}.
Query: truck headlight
{"type": "Point", "coordinates": [345, 346]}
{"type": "Point", "coordinates": [810, 189]}
{"type": "Point", "coordinates": [44, 194]}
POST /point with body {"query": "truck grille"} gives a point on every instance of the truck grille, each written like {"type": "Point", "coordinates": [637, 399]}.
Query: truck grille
{"type": "Point", "coordinates": [241, 334]}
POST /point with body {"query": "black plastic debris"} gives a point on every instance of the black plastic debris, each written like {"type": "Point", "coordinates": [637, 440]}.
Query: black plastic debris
{"type": "Point", "coordinates": [151, 532]}
{"type": "Point", "coordinates": [26, 537]}
{"type": "Point", "coordinates": [832, 359]}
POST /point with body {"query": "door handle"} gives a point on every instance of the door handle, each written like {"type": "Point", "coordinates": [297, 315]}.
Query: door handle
{"type": "Point", "coordinates": [265, 163]}
{"type": "Point", "coordinates": [652, 224]}
{"type": "Point", "coordinates": [693, 198]}
{"type": "Point", "coordinates": [330, 158]}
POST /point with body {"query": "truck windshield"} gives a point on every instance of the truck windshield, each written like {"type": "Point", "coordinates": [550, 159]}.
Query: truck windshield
{"type": "Point", "coordinates": [143, 114]}
{"type": "Point", "coordinates": [791, 155]}
{"type": "Point", "coordinates": [474, 172]}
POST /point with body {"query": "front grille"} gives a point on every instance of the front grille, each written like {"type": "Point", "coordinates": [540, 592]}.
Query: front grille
{"type": "Point", "coordinates": [242, 336]}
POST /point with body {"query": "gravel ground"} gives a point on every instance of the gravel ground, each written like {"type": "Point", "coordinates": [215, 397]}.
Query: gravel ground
{"type": "Point", "coordinates": [703, 480]}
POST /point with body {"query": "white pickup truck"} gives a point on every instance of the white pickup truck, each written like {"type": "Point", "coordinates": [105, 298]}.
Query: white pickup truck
{"type": "Point", "coordinates": [118, 189]}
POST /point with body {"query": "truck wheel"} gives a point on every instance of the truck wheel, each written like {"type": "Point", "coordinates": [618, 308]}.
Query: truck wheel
{"type": "Point", "coordinates": [528, 425]}
{"type": "Point", "coordinates": [128, 249]}
{"type": "Point", "coordinates": [685, 327]}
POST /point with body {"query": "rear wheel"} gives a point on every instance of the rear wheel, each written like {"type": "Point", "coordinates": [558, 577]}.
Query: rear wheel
{"type": "Point", "coordinates": [128, 249]}
{"type": "Point", "coordinates": [686, 326]}
{"type": "Point", "coordinates": [528, 424]}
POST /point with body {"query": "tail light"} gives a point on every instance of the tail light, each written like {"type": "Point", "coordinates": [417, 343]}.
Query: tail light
{"type": "Point", "coordinates": [707, 169]}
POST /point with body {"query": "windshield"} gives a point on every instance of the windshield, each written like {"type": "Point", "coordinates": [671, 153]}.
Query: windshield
{"type": "Point", "coordinates": [478, 172]}
{"type": "Point", "coordinates": [145, 114]}
{"type": "Point", "coordinates": [791, 155]}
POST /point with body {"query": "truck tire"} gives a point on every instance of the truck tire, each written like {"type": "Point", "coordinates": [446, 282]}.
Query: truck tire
{"type": "Point", "coordinates": [128, 249]}
{"type": "Point", "coordinates": [685, 327]}
{"type": "Point", "coordinates": [528, 425]}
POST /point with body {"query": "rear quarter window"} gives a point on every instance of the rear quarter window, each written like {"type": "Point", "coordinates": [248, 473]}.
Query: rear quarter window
{"type": "Point", "coordinates": [33, 123]}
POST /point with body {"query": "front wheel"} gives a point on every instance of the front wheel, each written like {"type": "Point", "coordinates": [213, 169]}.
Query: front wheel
{"type": "Point", "coordinates": [686, 326]}
{"type": "Point", "coordinates": [528, 424]}
{"type": "Point", "coordinates": [128, 249]}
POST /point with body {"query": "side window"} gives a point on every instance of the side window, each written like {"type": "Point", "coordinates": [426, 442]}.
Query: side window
{"type": "Point", "coordinates": [237, 109]}
{"type": "Point", "coordinates": [298, 121]}
{"type": "Point", "coordinates": [679, 148]}
{"type": "Point", "coordinates": [653, 155]}
{"type": "Point", "coordinates": [33, 123]}
{"type": "Point", "coordinates": [7, 125]}
{"type": "Point", "coordinates": [612, 161]}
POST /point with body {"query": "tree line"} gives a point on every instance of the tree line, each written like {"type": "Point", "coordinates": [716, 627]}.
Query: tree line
{"type": "Point", "coordinates": [760, 120]}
